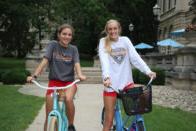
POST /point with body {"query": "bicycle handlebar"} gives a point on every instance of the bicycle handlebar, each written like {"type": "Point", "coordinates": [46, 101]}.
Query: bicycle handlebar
{"type": "Point", "coordinates": [149, 83]}
{"type": "Point", "coordinates": [55, 88]}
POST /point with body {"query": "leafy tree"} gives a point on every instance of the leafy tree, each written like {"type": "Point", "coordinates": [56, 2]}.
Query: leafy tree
{"type": "Point", "coordinates": [89, 25]}
{"type": "Point", "coordinates": [88, 17]}
{"type": "Point", "coordinates": [139, 12]}
{"type": "Point", "coordinates": [17, 18]}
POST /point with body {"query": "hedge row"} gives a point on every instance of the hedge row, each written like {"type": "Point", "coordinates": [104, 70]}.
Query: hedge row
{"type": "Point", "coordinates": [13, 76]}
{"type": "Point", "coordinates": [141, 78]}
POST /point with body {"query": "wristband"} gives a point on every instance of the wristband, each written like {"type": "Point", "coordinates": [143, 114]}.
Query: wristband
{"type": "Point", "coordinates": [34, 76]}
{"type": "Point", "coordinates": [106, 78]}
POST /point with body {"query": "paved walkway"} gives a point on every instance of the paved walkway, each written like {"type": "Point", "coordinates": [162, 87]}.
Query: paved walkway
{"type": "Point", "coordinates": [89, 104]}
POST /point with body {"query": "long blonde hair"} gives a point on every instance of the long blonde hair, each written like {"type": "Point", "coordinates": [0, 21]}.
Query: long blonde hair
{"type": "Point", "coordinates": [107, 38]}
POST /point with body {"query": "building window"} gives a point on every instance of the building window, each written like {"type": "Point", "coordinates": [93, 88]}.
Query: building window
{"type": "Point", "coordinates": [169, 4]}
{"type": "Point", "coordinates": [170, 30]}
{"type": "Point", "coordinates": [159, 34]}
{"type": "Point", "coordinates": [165, 33]}
{"type": "Point", "coordinates": [164, 6]}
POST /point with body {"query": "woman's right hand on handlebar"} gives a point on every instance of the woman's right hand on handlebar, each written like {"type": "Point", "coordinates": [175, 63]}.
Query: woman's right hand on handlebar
{"type": "Point", "coordinates": [82, 77]}
{"type": "Point", "coordinates": [107, 82]}
{"type": "Point", "coordinates": [30, 78]}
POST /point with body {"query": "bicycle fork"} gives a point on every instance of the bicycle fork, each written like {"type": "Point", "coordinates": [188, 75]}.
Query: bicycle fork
{"type": "Point", "coordinates": [138, 124]}
{"type": "Point", "coordinates": [118, 118]}
{"type": "Point", "coordinates": [61, 118]}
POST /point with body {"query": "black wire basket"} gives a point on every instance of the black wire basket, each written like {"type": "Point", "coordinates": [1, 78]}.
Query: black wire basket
{"type": "Point", "coordinates": [137, 100]}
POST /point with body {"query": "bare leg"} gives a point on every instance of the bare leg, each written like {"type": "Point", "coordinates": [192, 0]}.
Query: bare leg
{"type": "Point", "coordinates": [70, 108]}
{"type": "Point", "coordinates": [49, 104]}
{"type": "Point", "coordinates": [109, 104]}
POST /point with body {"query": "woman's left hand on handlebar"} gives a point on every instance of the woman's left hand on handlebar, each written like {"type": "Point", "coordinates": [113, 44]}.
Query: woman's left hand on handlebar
{"type": "Point", "coordinates": [82, 77]}
{"type": "Point", "coordinates": [152, 75]}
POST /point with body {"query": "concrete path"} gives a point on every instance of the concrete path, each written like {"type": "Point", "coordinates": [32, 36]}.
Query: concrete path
{"type": "Point", "coordinates": [88, 102]}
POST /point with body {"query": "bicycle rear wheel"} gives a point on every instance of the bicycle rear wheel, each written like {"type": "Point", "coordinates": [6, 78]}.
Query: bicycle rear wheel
{"type": "Point", "coordinates": [140, 126]}
{"type": "Point", "coordinates": [53, 125]}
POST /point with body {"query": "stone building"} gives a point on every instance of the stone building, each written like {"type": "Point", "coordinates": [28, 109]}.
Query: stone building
{"type": "Point", "coordinates": [178, 16]}
{"type": "Point", "coordinates": [175, 15]}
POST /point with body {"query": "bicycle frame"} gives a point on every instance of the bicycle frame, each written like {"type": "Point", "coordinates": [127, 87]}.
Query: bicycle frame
{"type": "Point", "coordinates": [59, 112]}
{"type": "Point", "coordinates": [59, 107]}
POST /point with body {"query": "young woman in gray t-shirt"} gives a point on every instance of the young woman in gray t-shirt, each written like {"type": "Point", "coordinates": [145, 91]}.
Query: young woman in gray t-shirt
{"type": "Point", "coordinates": [62, 59]}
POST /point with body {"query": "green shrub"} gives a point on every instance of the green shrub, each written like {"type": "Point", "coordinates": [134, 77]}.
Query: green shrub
{"type": "Point", "coordinates": [11, 63]}
{"type": "Point", "coordinates": [2, 71]}
{"type": "Point", "coordinates": [12, 71]}
{"type": "Point", "coordinates": [141, 78]}
{"type": "Point", "coordinates": [14, 77]}
{"type": "Point", "coordinates": [135, 73]}
{"type": "Point", "coordinates": [160, 79]}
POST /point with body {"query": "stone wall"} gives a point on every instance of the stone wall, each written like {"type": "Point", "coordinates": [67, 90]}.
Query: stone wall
{"type": "Point", "coordinates": [34, 58]}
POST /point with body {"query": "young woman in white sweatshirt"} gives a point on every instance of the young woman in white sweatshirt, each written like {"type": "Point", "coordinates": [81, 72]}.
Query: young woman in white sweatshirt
{"type": "Point", "coordinates": [117, 54]}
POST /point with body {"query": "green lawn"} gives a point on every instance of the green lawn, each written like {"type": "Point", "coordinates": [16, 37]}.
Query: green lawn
{"type": "Point", "coordinates": [17, 110]}
{"type": "Point", "coordinates": [167, 119]}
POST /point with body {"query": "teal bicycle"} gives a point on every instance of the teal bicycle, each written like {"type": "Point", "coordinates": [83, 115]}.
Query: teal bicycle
{"type": "Point", "coordinates": [135, 101]}
{"type": "Point", "coordinates": [57, 119]}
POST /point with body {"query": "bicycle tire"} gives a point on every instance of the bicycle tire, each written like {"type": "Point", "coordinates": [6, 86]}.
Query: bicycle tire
{"type": "Point", "coordinates": [140, 126]}
{"type": "Point", "coordinates": [53, 125]}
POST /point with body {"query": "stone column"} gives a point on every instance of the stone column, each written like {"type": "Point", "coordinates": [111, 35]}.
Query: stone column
{"type": "Point", "coordinates": [97, 61]}
{"type": "Point", "coordinates": [34, 58]}
{"type": "Point", "coordinates": [184, 75]}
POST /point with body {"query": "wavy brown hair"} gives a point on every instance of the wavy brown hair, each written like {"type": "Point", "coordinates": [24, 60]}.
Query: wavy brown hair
{"type": "Point", "coordinates": [63, 26]}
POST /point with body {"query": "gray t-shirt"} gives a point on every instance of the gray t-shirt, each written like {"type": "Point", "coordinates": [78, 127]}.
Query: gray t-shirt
{"type": "Point", "coordinates": [61, 61]}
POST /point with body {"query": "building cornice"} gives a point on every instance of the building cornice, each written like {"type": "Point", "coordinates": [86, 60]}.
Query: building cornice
{"type": "Point", "coordinates": [165, 18]}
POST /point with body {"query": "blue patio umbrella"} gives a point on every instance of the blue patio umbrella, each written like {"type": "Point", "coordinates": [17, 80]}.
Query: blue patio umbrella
{"type": "Point", "coordinates": [170, 42]}
{"type": "Point", "coordinates": [143, 46]}
{"type": "Point", "coordinates": [178, 32]}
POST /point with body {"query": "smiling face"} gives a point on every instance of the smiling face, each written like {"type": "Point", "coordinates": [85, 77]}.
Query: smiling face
{"type": "Point", "coordinates": [65, 34]}
{"type": "Point", "coordinates": [65, 37]}
{"type": "Point", "coordinates": [113, 29]}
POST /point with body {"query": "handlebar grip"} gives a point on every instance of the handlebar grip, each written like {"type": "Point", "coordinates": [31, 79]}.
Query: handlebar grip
{"type": "Point", "coordinates": [150, 81]}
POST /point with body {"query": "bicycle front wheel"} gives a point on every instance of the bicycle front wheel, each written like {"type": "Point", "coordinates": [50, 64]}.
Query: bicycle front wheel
{"type": "Point", "coordinates": [53, 125]}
